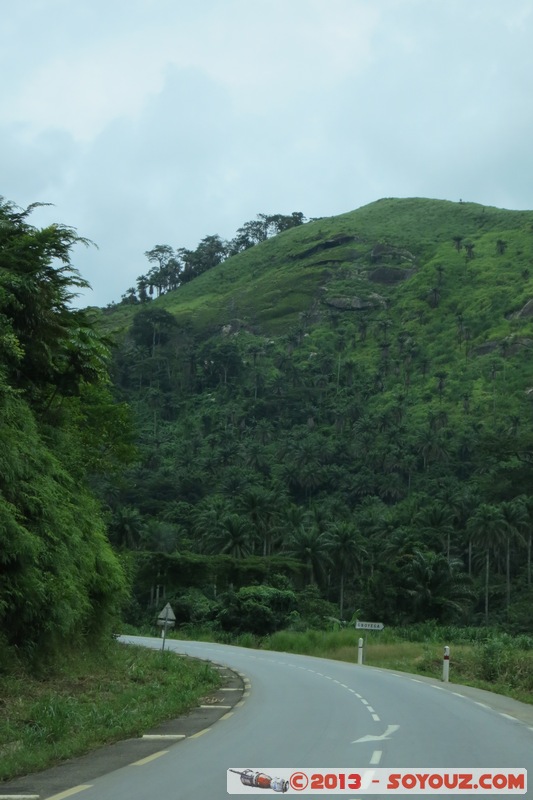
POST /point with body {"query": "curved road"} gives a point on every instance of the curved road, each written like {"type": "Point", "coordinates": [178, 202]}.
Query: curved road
{"type": "Point", "coordinates": [310, 712]}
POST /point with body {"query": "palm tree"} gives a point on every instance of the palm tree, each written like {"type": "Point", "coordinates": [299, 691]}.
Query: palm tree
{"type": "Point", "coordinates": [231, 536]}
{"type": "Point", "coordinates": [437, 519]}
{"type": "Point", "coordinates": [310, 547]}
{"type": "Point", "coordinates": [516, 519]}
{"type": "Point", "coordinates": [259, 505]}
{"type": "Point", "coordinates": [437, 586]}
{"type": "Point", "coordinates": [529, 510]}
{"type": "Point", "coordinates": [208, 517]}
{"type": "Point", "coordinates": [432, 447]}
{"type": "Point", "coordinates": [344, 547]}
{"type": "Point", "coordinates": [457, 242]}
{"type": "Point", "coordinates": [126, 527]}
{"type": "Point", "coordinates": [462, 504]}
{"type": "Point", "coordinates": [488, 530]}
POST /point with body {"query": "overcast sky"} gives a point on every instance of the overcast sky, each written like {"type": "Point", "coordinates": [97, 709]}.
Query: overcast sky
{"type": "Point", "coordinates": [162, 121]}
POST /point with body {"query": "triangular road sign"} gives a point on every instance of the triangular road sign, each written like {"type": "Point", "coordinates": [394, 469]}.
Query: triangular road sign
{"type": "Point", "coordinates": [167, 614]}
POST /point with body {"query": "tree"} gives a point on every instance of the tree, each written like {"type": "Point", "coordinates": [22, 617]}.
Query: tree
{"type": "Point", "coordinates": [162, 255]}
{"type": "Point", "coordinates": [345, 549]}
{"type": "Point", "coordinates": [310, 547]}
{"type": "Point", "coordinates": [259, 504]}
{"type": "Point", "coordinates": [152, 327]}
{"type": "Point", "coordinates": [501, 246]}
{"type": "Point", "coordinates": [235, 536]}
{"type": "Point", "coordinates": [437, 586]}
{"type": "Point", "coordinates": [516, 524]}
{"type": "Point", "coordinates": [458, 242]}
{"type": "Point", "coordinates": [60, 579]}
{"type": "Point", "coordinates": [126, 528]}
{"type": "Point", "coordinates": [210, 252]}
{"type": "Point", "coordinates": [469, 247]}
{"type": "Point", "coordinates": [488, 530]}
{"type": "Point", "coordinates": [437, 520]}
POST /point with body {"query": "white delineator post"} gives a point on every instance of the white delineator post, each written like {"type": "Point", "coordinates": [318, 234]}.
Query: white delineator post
{"type": "Point", "coordinates": [360, 652]}
{"type": "Point", "coordinates": [446, 665]}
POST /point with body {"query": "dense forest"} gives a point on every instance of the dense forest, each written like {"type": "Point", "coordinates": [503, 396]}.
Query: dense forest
{"type": "Point", "coordinates": [335, 420]}
{"type": "Point", "coordinates": [317, 420]}
{"type": "Point", "coordinates": [60, 581]}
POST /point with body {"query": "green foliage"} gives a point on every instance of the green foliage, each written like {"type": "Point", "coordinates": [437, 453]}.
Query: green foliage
{"type": "Point", "coordinates": [258, 610]}
{"type": "Point", "coordinates": [59, 426]}
{"type": "Point", "coordinates": [352, 394]}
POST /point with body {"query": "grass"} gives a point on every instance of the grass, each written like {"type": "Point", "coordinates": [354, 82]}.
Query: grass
{"type": "Point", "coordinates": [93, 700]}
{"type": "Point", "coordinates": [498, 663]}
{"type": "Point", "coordinates": [288, 281]}
{"type": "Point", "coordinates": [480, 657]}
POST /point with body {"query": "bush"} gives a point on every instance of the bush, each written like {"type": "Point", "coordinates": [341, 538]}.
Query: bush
{"type": "Point", "coordinates": [192, 606]}
{"type": "Point", "coordinates": [313, 610]}
{"type": "Point", "coordinates": [255, 609]}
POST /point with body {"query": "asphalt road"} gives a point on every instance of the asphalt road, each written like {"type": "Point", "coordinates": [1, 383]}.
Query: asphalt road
{"type": "Point", "coordinates": [303, 712]}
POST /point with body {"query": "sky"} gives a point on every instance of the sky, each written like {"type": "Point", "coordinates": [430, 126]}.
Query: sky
{"type": "Point", "coordinates": [150, 122]}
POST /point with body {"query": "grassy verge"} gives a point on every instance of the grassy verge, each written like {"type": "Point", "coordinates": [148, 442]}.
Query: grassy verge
{"type": "Point", "coordinates": [94, 700]}
{"type": "Point", "coordinates": [498, 663]}
{"type": "Point", "coordinates": [486, 659]}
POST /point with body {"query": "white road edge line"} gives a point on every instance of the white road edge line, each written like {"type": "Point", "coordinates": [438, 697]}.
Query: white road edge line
{"type": "Point", "coordinates": [376, 757]}
{"type": "Point", "coordinates": [19, 796]}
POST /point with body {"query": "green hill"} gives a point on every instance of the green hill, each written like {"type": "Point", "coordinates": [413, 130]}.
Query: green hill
{"type": "Point", "coordinates": [271, 283]}
{"type": "Point", "coordinates": [352, 393]}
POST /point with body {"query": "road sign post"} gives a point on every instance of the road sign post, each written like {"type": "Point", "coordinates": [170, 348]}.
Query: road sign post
{"type": "Point", "coordinates": [365, 626]}
{"type": "Point", "coordinates": [166, 619]}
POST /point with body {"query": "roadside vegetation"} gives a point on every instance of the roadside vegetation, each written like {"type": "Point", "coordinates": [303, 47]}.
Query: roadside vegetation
{"type": "Point", "coordinates": [486, 658]}
{"type": "Point", "coordinates": [93, 699]}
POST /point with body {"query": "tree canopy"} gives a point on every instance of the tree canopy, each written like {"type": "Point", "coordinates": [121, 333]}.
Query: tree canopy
{"type": "Point", "coordinates": [59, 426]}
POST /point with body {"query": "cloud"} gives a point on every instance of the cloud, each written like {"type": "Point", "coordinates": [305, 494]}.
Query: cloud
{"type": "Point", "coordinates": [151, 121]}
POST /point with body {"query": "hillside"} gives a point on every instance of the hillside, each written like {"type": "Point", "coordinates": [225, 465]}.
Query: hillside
{"type": "Point", "coordinates": [353, 394]}
{"type": "Point", "coordinates": [287, 271]}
